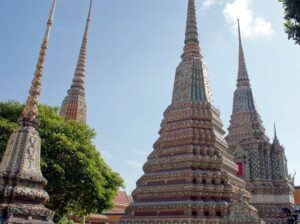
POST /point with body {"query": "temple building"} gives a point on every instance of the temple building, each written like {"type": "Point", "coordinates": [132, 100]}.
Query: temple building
{"type": "Point", "coordinates": [190, 176]}
{"type": "Point", "coordinates": [22, 194]}
{"type": "Point", "coordinates": [112, 216]}
{"type": "Point", "coordinates": [74, 104]}
{"type": "Point", "coordinates": [262, 164]}
{"type": "Point", "coordinates": [121, 202]}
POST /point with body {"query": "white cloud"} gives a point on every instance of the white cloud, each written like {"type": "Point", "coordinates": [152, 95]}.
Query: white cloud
{"type": "Point", "coordinates": [106, 155]}
{"type": "Point", "coordinates": [208, 3]}
{"type": "Point", "coordinates": [134, 164]}
{"type": "Point", "coordinates": [251, 26]}
{"type": "Point", "coordinates": [139, 152]}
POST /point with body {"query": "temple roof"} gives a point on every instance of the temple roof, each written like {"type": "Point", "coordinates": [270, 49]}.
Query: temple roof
{"type": "Point", "coordinates": [122, 198]}
{"type": "Point", "coordinates": [121, 201]}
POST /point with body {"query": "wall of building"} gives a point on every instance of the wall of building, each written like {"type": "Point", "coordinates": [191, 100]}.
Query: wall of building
{"type": "Point", "coordinates": [297, 195]}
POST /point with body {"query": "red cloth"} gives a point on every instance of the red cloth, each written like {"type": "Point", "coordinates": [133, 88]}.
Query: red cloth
{"type": "Point", "coordinates": [240, 167]}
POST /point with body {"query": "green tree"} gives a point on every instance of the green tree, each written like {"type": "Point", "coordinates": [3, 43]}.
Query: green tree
{"type": "Point", "coordinates": [292, 19]}
{"type": "Point", "coordinates": [79, 181]}
{"type": "Point", "coordinates": [65, 220]}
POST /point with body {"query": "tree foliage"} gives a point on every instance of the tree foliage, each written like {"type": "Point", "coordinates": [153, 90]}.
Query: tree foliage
{"type": "Point", "coordinates": [292, 19]}
{"type": "Point", "coordinates": [79, 181]}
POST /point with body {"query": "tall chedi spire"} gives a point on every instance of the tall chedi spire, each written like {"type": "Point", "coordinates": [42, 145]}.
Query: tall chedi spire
{"type": "Point", "coordinates": [244, 99]}
{"type": "Point", "coordinates": [22, 196]}
{"type": "Point", "coordinates": [74, 104]}
{"type": "Point", "coordinates": [190, 175]}
{"type": "Point", "coordinates": [261, 164]}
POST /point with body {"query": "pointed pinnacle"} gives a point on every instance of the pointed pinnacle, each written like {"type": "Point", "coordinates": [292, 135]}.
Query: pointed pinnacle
{"type": "Point", "coordinates": [276, 140]}
{"type": "Point", "coordinates": [90, 10]}
{"type": "Point", "coordinates": [275, 132]}
{"type": "Point", "coordinates": [243, 78]}
{"type": "Point", "coordinates": [239, 32]}
{"type": "Point", "coordinates": [191, 48]}
{"type": "Point", "coordinates": [191, 32]}
{"type": "Point", "coordinates": [30, 111]}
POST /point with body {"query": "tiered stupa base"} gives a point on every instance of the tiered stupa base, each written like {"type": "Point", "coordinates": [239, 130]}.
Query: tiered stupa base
{"type": "Point", "coordinates": [171, 220]}
{"type": "Point", "coordinates": [270, 197]}
{"type": "Point", "coordinates": [239, 212]}
{"type": "Point", "coordinates": [272, 213]}
{"type": "Point", "coordinates": [22, 197]}
{"type": "Point", "coordinates": [25, 214]}
{"type": "Point", "coordinates": [189, 177]}
{"type": "Point", "coordinates": [192, 220]}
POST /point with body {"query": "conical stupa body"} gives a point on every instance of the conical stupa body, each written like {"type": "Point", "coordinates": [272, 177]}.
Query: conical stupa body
{"type": "Point", "coordinates": [262, 164]}
{"type": "Point", "coordinates": [22, 197]}
{"type": "Point", "coordinates": [190, 177]}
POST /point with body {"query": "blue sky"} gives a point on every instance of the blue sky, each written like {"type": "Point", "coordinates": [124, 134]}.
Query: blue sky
{"type": "Point", "coordinates": [134, 48]}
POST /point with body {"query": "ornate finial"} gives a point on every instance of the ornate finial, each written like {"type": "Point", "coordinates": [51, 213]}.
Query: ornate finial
{"type": "Point", "coordinates": [191, 48]}
{"type": "Point", "coordinates": [90, 10]}
{"type": "Point", "coordinates": [79, 77]}
{"type": "Point", "coordinates": [30, 111]}
{"type": "Point", "coordinates": [275, 132]}
{"type": "Point", "coordinates": [191, 32]}
{"type": "Point", "coordinates": [239, 32]}
{"type": "Point", "coordinates": [276, 140]}
{"type": "Point", "coordinates": [243, 78]}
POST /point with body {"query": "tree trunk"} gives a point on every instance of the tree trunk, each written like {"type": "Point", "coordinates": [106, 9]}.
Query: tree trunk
{"type": "Point", "coordinates": [82, 220]}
